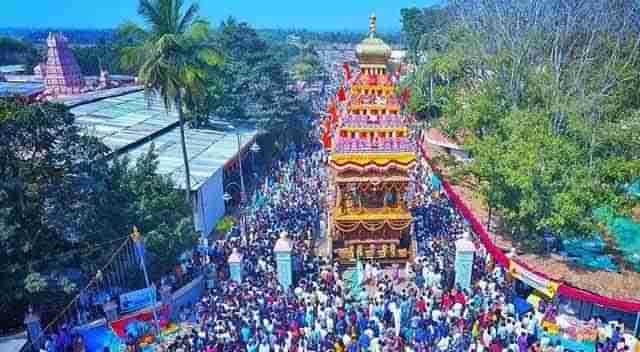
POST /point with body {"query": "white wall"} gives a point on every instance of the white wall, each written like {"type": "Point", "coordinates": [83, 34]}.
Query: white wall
{"type": "Point", "coordinates": [209, 203]}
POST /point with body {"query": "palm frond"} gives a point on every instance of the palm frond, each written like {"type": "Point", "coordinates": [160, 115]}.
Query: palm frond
{"type": "Point", "coordinates": [149, 10]}
{"type": "Point", "coordinates": [133, 57]}
{"type": "Point", "coordinates": [188, 18]}
{"type": "Point", "coordinates": [176, 8]}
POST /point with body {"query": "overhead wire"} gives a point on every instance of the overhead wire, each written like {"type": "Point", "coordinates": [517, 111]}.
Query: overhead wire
{"type": "Point", "coordinates": [93, 280]}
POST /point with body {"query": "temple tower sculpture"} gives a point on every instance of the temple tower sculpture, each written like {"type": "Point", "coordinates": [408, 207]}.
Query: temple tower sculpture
{"type": "Point", "coordinates": [371, 156]}
{"type": "Point", "coordinates": [62, 73]}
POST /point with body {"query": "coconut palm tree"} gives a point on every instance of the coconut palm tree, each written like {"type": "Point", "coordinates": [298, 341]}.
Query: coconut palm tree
{"type": "Point", "coordinates": [171, 55]}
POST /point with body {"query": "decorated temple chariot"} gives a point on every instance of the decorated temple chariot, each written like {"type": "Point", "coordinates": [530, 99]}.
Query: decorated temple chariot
{"type": "Point", "coordinates": [371, 156]}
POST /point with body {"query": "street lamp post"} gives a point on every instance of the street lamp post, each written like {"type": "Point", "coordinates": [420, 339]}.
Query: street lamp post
{"type": "Point", "coordinates": [243, 193]}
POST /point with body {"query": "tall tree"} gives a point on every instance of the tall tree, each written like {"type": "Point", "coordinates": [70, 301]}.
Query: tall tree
{"type": "Point", "coordinates": [57, 213]}
{"type": "Point", "coordinates": [55, 197]}
{"type": "Point", "coordinates": [171, 58]}
{"type": "Point", "coordinates": [257, 88]}
{"type": "Point", "coordinates": [546, 95]}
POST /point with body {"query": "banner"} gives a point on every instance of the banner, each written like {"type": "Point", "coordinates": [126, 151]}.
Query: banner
{"type": "Point", "coordinates": [119, 326]}
{"type": "Point", "coordinates": [138, 299]}
{"type": "Point", "coordinates": [562, 289]}
{"type": "Point", "coordinates": [533, 280]}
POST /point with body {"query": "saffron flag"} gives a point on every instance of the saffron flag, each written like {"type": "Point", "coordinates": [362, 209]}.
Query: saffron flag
{"type": "Point", "coordinates": [342, 96]}
{"type": "Point", "coordinates": [347, 71]}
{"type": "Point", "coordinates": [326, 139]}
{"type": "Point", "coordinates": [333, 111]}
{"type": "Point", "coordinates": [326, 125]}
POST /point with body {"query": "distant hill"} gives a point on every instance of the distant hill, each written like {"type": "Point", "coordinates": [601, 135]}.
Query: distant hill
{"type": "Point", "coordinates": [77, 37]}
{"type": "Point", "coordinates": [342, 37]}
{"type": "Point", "coordinates": [82, 37]}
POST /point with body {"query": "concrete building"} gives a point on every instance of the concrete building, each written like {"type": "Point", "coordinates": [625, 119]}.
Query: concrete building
{"type": "Point", "coordinates": [128, 123]}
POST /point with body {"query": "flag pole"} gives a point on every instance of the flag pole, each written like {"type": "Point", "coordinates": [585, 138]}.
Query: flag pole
{"type": "Point", "coordinates": [137, 240]}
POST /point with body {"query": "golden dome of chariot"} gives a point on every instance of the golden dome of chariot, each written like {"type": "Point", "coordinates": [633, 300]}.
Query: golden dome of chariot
{"type": "Point", "coordinates": [373, 50]}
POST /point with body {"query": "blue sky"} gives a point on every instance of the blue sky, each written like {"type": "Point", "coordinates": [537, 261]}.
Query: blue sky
{"type": "Point", "coordinates": [312, 14]}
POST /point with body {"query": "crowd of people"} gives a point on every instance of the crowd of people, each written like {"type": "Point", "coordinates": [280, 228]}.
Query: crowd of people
{"type": "Point", "coordinates": [416, 309]}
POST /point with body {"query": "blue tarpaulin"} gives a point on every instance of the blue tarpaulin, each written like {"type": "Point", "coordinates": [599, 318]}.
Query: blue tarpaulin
{"type": "Point", "coordinates": [521, 305]}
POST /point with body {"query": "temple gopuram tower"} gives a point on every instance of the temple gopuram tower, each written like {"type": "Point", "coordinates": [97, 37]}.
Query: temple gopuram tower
{"type": "Point", "coordinates": [371, 156]}
{"type": "Point", "coordinates": [62, 74]}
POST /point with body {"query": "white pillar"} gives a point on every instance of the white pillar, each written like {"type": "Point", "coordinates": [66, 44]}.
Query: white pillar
{"type": "Point", "coordinates": [235, 265]}
{"type": "Point", "coordinates": [282, 251]}
{"type": "Point", "coordinates": [465, 251]}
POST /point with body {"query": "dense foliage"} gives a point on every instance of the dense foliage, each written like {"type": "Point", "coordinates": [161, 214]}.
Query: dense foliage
{"type": "Point", "coordinates": [103, 55]}
{"type": "Point", "coordinates": [546, 99]}
{"type": "Point", "coordinates": [173, 57]}
{"type": "Point", "coordinates": [255, 84]}
{"type": "Point", "coordinates": [57, 213]}
{"type": "Point", "coordinates": [16, 52]}
{"type": "Point", "coordinates": [307, 66]}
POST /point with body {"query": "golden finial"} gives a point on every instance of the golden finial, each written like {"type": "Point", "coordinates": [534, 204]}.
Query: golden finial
{"type": "Point", "coordinates": [135, 235]}
{"type": "Point", "coordinates": [372, 25]}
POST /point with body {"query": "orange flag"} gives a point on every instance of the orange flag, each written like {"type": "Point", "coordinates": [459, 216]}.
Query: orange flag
{"type": "Point", "coordinates": [342, 96]}
{"type": "Point", "coordinates": [333, 111]}
{"type": "Point", "coordinates": [347, 71]}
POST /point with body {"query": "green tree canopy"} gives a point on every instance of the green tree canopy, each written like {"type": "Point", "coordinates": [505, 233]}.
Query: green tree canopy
{"type": "Point", "coordinates": [256, 86]}
{"type": "Point", "coordinates": [16, 52]}
{"type": "Point", "coordinates": [64, 206]}
{"type": "Point", "coordinates": [172, 55]}
{"type": "Point", "coordinates": [547, 105]}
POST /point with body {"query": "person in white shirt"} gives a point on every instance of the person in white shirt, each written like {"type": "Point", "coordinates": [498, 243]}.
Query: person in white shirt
{"type": "Point", "coordinates": [330, 324]}
{"type": "Point", "coordinates": [525, 321]}
{"type": "Point", "coordinates": [544, 342]}
{"type": "Point", "coordinates": [346, 341]}
{"type": "Point", "coordinates": [486, 338]}
{"type": "Point", "coordinates": [443, 344]}
{"type": "Point", "coordinates": [375, 345]}
{"type": "Point", "coordinates": [264, 347]}
{"type": "Point", "coordinates": [456, 311]}
{"type": "Point", "coordinates": [510, 327]}
{"type": "Point", "coordinates": [436, 314]}
{"type": "Point", "coordinates": [533, 322]}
